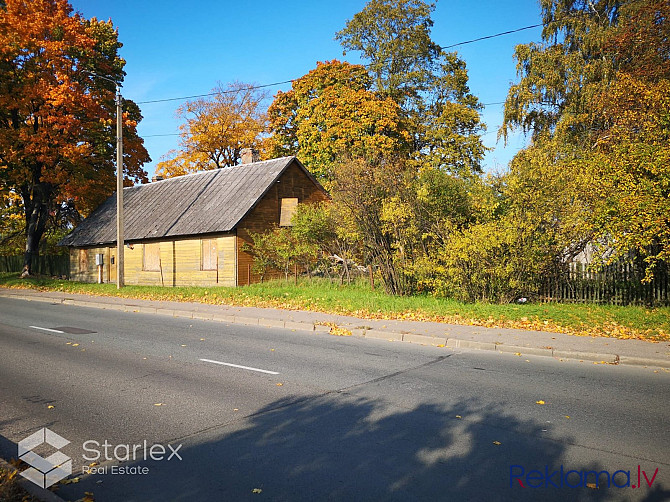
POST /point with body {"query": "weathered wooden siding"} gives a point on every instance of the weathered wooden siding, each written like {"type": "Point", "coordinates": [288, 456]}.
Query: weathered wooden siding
{"type": "Point", "coordinates": [179, 265]}
{"type": "Point", "coordinates": [293, 183]}
{"type": "Point", "coordinates": [82, 264]}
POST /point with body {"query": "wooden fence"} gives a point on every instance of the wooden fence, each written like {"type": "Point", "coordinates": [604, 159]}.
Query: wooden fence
{"type": "Point", "coordinates": [618, 284]}
{"type": "Point", "coordinates": [52, 265]}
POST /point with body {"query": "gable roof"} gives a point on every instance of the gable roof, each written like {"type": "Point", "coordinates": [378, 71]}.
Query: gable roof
{"type": "Point", "coordinates": [200, 203]}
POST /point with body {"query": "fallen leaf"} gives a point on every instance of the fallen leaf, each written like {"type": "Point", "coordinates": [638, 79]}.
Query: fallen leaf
{"type": "Point", "coordinates": [279, 384]}
{"type": "Point", "coordinates": [539, 402]}
{"type": "Point", "coordinates": [458, 416]}
{"type": "Point", "coordinates": [593, 486]}
{"type": "Point", "coordinates": [51, 406]}
{"type": "Point", "coordinates": [272, 350]}
{"type": "Point", "coordinates": [255, 490]}
{"type": "Point", "coordinates": [567, 416]}
{"type": "Point", "coordinates": [517, 353]}
{"type": "Point", "coordinates": [75, 345]}
{"type": "Point", "coordinates": [236, 409]}
{"type": "Point", "coordinates": [70, 481]}
{"type": "Point", "coordinates": [497, 443]}
{"type": "Point", "coordinates": [202, 339]}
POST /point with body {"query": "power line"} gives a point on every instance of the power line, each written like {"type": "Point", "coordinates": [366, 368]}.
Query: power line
{"type": "Point", "coordinates": [179, 134]}
{"type": "Point", "coordinates": [487, 37]}
{"type": "Point", "coordinates": [214, 93]}
{"type": "Point", "coordinates": [491, 36]}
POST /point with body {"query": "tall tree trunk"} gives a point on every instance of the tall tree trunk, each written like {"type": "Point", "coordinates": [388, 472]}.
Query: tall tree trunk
{"type": "Point", "coordinates": [36, 203]}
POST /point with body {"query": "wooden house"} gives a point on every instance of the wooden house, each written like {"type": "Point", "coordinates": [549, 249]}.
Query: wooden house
{"type": "Point", "coordinates": [190, 230]}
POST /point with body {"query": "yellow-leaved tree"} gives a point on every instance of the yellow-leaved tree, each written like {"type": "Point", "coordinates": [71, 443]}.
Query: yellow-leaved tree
{"type": "Point", "coordinates": [216, 129]}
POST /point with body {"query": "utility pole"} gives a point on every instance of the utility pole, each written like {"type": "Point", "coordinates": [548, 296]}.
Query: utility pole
{"type": "Point", "coordinates": [119, 180]}
{"type": "Point", "coordinates": [119, 189]}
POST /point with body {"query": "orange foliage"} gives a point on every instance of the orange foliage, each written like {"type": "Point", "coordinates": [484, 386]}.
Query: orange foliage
{"type": "Point", "coordinates": [57, 120]}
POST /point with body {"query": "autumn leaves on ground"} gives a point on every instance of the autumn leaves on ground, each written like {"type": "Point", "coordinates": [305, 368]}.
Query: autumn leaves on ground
{"type": "Point", "coordinates": [321, 295]}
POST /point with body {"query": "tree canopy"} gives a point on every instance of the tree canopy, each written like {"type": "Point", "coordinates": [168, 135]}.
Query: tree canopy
{"type": "Point", "coordinates": [593, 95]}
{"type": "Point", "coordinates": [332, 111]}
{"type": "Point", "coordinates": [216, 130]}
{"type": "Point", "coordinates": [57, 116]}
{"type": "Point", "coordinates": [429, 84]}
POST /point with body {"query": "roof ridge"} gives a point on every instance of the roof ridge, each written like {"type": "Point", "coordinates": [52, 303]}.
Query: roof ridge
{"type": "Point", "coordinates": [217, 170]}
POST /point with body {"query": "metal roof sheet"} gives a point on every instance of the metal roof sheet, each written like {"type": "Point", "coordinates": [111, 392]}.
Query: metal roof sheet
{"type": "Point", "coordinates": [200, 203]}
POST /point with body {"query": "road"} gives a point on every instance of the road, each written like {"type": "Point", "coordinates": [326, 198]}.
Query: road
{"type": "Point", "coordinates": [260, 413]}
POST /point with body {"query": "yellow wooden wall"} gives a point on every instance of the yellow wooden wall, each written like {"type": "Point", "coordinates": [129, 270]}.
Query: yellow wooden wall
{"type": "Point", "coordinates": [180, 263]}
{"type": "Point", "coordinates": [86, 270]}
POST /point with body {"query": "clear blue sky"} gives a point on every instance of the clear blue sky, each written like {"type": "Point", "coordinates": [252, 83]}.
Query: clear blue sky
{"type": "Point", "coordinates": [182, 48]}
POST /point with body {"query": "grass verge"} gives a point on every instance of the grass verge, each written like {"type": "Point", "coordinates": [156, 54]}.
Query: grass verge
{"type": "Point", "coordinates": [631, 322]}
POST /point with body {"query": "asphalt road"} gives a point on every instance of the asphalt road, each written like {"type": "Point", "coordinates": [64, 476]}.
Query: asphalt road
{"type": "Point", "coordinates": [277, 414]}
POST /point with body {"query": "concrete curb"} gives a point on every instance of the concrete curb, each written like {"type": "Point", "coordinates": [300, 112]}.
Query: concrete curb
{"type": "Point", "coordinates": [393, 336]}
{"type": "Point", "coordinates": [32, 489]}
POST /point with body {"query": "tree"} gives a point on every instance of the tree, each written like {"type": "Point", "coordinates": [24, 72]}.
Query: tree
{"type": "Point", "coordinates": [429, 84]}
{"type": "Point", "coordinates": [216, 130]}
{"type": "Point", "coordinates": [594, 97]}
{"type": "Point", "coordinates": [278, 249]}
{"type": "Point", "coordinates": [368, 193]}
{"type": "Point", "coordinates": [57, 127]}
{"type": "Point", "coordinates": [332, 111]}
{"type": "Point", "coordinates": [631, 161]}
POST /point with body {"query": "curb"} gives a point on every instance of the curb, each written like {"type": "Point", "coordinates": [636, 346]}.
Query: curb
{"type": "Point", "coordinates": [436, 341]}
{"type": "Point", "coordinates": [31, 488]}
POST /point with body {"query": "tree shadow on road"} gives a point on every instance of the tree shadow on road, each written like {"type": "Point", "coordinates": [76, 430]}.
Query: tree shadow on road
{"type": "Point", "coordinates": [342, 447]}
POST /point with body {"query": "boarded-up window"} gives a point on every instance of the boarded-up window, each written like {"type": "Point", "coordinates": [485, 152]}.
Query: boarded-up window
{"type": "Point", "coordinates": [209, 261]}
{"type": "Point", "coordinates": [288, 207]}
{"type": "Point", "coordinates": [83, 260]}
{"type": "Point", "coordinates": [151, 259]}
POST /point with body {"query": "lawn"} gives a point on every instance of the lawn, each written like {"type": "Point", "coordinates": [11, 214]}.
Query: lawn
{"type": "Point", "coordinates": [360, 300]}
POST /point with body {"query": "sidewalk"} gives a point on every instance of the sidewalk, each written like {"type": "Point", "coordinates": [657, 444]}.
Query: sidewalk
{"type": "Point", "coordinates": [539, 343]}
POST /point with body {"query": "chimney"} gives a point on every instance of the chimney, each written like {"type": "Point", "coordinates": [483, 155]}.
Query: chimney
{"type": "Point", "coordinates": [249, 155]}
{"type": "Point", "coordinates": [156, 178]}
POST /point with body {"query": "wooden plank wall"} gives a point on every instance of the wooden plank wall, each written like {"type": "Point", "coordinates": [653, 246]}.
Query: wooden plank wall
{"type": "Point", "coordinates": [180, 262]}
{"type": "Point", "coordinates": [82, 264]}
{"type": "Point", "coordinates": [293, 183]}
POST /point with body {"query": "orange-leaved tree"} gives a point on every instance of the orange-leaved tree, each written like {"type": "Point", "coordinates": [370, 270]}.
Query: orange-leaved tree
{"type": "Point", "coordinates": [57, 114]}
{"type": "Point", "coordinates": [216, 130]}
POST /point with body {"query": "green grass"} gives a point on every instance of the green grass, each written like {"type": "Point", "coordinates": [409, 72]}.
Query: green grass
{"type": "Point", "coordinates": [359, 300]}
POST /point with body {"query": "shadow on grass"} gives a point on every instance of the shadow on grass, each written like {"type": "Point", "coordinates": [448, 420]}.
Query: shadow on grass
{"type": "Point", "coordinates": [341, 447]}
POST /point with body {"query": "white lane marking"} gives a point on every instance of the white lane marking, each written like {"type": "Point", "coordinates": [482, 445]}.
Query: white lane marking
{"type": "Point", "coordinates": [241, 367]}
{"type": "Point", "coordinates": [47, 329]}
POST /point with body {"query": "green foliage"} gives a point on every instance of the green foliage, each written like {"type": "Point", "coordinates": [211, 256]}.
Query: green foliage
{"type": "Point", "coordinates": [430, 85]}
{"type": "Point", "coordinates": [278, 249]}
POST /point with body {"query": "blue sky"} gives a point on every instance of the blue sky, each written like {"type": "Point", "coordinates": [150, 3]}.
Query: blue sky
{"type": "Point", "coordinates": [182, 48]}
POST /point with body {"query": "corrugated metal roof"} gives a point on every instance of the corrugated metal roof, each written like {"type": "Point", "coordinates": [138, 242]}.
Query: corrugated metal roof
{"type": "Point", "coordinates": [207, 202]}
